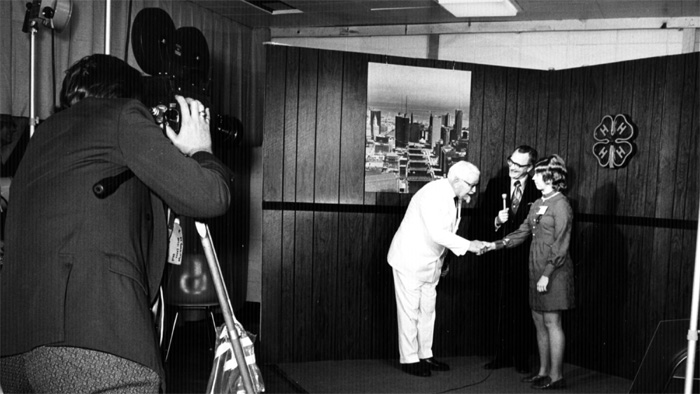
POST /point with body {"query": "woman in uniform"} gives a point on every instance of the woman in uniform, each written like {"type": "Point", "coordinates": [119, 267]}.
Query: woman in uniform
{"type": "Point", "coordinates": [551, 269]}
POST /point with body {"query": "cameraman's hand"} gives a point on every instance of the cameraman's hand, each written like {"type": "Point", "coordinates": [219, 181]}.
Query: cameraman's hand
{"type": "Point", "coordinates": [194, 133]}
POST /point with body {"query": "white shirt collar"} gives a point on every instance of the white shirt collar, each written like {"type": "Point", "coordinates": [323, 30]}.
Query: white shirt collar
{"type": "Point", "coordinates": [522, 181]}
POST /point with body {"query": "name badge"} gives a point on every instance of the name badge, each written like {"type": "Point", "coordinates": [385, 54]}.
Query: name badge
{"type": "Point", "coordinates": [542, 210]}
{"type": "Point", "coordinates": [175, 245]}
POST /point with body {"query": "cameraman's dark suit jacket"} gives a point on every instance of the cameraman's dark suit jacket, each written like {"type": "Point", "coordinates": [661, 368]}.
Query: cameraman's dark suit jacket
{"type": "Point", "coordinates": [81, 271]}
{"type": "Point", "coordinates": [511, 266]}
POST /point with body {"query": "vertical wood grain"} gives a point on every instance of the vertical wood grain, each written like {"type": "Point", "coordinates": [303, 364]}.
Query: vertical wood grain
{"type": "Point", "coordinates": [287, 300]}
{"type": "Point", "coordinates": [551, 130]}
{"type": "Point", "coordinates": [328, 120]}
{"type": "Point", "coordinates": [324, 307]}
{"type": "Point", "coordinates": [270, 320]}
{"type": "Point", "coordinates": [273, 124]}
{"type": "Point", "coordinates": [352, 129]}
{"type": "Point", "coordinates": [492, 130]}
{"type": "Point", "coordinates": [291, 124]}
{"type": "Point", "coordinates": [476, 116]}
{"type": "Point", "coordinates": [303, 330]}
{"type": "Point", "coordinates": [306, 134]}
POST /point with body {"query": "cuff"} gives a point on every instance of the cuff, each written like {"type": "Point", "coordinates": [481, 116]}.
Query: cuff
{"type": "Point", "coordinates": [202, 155]}
{"type": "Point", "coordinates": [548, 269]}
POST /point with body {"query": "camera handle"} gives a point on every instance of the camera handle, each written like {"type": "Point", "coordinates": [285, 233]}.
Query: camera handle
{"type": "Point", "coordinates": [225, 303]}
{"type": "Point", "coordinates": [106, 186]}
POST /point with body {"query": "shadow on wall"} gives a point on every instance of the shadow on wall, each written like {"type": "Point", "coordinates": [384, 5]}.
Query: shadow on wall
{"type": "Point", "coordinates": [600, 258]}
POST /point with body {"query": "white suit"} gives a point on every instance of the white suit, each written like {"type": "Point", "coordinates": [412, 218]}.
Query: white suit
{"type": "Point", "coordinates": [427, 228]}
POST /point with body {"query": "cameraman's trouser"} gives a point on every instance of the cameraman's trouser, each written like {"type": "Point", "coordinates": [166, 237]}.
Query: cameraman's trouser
{"type": "Point", "coordinates": [49, 369]}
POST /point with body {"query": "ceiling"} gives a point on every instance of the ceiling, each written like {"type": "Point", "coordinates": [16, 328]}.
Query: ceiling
{"type": "Point", "coordinates": [332, 13]}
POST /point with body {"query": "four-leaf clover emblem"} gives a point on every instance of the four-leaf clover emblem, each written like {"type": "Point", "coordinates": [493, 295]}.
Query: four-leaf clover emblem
{"type": "Point", "coordinates": [614, 146]}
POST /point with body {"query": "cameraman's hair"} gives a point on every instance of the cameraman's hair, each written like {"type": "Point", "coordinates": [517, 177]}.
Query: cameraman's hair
{"type": "Point", "coordinates": [553, 168]}
{"type": "Point", "coordinates": [101, 76]}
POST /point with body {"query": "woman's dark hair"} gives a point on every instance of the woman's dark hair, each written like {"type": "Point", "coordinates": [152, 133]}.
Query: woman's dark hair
{"type": "Point", "coordinates": [102, 76]}
{"type": "Point", "coordinates": [553, 168]}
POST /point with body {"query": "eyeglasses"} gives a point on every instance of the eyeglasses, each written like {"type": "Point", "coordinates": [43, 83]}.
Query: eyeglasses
{"type": "Point", "coordinates": [469, 185]}
{"type": "Point", "coordinates": [512, 163]}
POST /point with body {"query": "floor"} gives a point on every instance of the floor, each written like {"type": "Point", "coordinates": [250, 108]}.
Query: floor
{"type": "Point", "coordinates": [189, 363]}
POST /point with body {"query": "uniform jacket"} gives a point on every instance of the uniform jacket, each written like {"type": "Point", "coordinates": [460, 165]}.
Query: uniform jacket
{"type": "Point", "coordinates": [81, 271]}
{"type": "Point", "coordinates": [549, 222]}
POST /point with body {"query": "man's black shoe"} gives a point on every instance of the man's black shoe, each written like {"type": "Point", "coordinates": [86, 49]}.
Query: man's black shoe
{"type": "Point", "coordinates": [435, 365]}
{"type": "Point", "coordinates": [498, 363]}
{"type": "Point", "coordinates": [417, 369]}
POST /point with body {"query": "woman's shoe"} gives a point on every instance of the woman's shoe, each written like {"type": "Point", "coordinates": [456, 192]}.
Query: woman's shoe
{"type": "Point", "coordinates": [533, 379]}
{"type": "Point", "coordinates": [547, 384]}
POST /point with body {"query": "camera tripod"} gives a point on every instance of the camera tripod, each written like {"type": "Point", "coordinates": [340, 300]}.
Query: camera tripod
{"type": "Point", "coordinates": [225, 303]}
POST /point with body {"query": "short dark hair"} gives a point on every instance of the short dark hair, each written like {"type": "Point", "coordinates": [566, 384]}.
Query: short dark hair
{"type": "Point", "coordinates": [529, 150]}
{"type": "Point", "coordinates": [553, 168]}
{"type": "Point", "coordinates": [102, 76]}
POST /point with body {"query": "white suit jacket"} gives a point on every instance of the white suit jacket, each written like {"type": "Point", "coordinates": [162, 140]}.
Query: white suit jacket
{"type": "Point", "coordinates": [427, 228]}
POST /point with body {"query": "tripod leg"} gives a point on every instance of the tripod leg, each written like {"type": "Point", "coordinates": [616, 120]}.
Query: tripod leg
{"type": "Point", "coordinates": [172, 333]}
{"type": "Point", "coordinates": [225, 303]}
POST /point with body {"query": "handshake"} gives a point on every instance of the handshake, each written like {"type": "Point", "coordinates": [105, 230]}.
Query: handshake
{"type": "Point", "coordinates": [480, 247]}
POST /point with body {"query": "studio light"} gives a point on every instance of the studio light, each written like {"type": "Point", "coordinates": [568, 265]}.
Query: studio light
{"type": "Point", "coordinates": [480, 8]}
{"type": "Point", "coordinates": [53, 14]}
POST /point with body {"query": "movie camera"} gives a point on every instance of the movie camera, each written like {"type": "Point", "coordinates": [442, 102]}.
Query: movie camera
{"type": "Point", "coordinates": [177, 63]}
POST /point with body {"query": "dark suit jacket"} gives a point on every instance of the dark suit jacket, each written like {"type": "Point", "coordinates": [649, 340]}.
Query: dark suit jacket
{"type": "Point", "coordinates": [490, 203]}
{"type": "Point", "coordinates": [81, 271]}
{"type": "Point", "coordinates": [493, 203]}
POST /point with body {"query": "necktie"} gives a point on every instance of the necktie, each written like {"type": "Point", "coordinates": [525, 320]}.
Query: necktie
{"type": "Point", "coordinates": [458, 206]}
{"type": "Point", "coordinates": [517, 195]}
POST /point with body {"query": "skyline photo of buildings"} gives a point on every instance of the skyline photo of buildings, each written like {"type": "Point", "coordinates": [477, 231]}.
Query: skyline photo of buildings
{"type": "Point", "coordinates": [417, 125]}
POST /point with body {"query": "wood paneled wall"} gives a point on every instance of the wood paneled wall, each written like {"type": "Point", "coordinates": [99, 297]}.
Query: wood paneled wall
{"type": "Point", "coordinates": [327, 291]}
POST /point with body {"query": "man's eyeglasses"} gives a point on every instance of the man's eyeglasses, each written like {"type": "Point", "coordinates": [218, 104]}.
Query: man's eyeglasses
{"type": "Point", "coordinates": [469, 185]}
{"type": "Point", "coordinates": [512, 163]}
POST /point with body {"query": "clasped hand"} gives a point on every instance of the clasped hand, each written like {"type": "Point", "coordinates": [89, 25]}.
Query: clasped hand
{"type": "Point", "coordinates": [480, 247]}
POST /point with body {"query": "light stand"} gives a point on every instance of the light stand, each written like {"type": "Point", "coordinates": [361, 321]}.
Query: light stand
{"type": "Point", "coordinates": [693, 329]}
{"type": "Point", "coordinates": [225, 303]}
{"type": "Point", "coordinates": [108, 27]}
{"type": "Point", "coordinates": [55, 15]}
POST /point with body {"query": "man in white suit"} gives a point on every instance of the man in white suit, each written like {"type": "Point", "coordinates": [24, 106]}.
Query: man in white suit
{"type": "Point", "coordinates": [416, 255]}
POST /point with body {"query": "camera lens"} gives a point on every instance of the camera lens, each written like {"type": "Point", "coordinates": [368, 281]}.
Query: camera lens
{"type": "Point", "coordinates": [172, 117]}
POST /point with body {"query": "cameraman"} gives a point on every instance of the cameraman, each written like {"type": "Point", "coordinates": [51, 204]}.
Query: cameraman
{"type": "Point", "coordinates": [82, 272]}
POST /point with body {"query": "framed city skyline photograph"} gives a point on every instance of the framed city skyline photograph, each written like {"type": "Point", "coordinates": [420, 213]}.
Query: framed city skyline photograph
{"type": "Point", "coordinates": [417, 125]}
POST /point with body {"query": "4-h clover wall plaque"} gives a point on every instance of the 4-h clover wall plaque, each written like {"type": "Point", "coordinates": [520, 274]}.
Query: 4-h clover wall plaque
{"type": "Point", "coordinates": [615, 143]}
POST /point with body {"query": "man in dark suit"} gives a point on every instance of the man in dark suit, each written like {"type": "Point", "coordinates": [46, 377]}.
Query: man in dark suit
{"type": "Point", "coordinates": [500, 216]}
{"type": "Point", "coordinates": [82, 270]}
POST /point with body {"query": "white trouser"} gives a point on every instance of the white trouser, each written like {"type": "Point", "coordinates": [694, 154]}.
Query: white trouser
{"type": "Point", "coordinates": [415, 310]}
